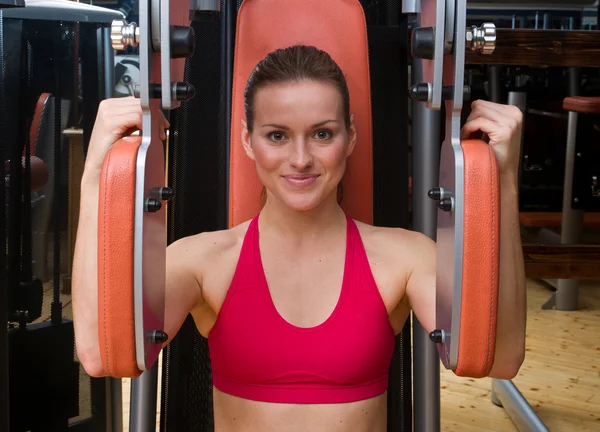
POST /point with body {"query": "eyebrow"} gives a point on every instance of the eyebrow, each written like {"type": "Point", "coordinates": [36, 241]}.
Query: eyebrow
{"type": "Point", "coordinates": [286, 128]}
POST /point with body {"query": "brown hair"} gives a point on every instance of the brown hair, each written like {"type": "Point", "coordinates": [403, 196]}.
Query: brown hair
{"type": "Point", "coordinates": [296, 63]}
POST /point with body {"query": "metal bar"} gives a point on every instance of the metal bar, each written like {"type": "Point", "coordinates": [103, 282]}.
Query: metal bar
{"type": "Point", "coordinates": [115, 402]}
{"type": "Point", "coordinates": [508, 396]}
{"type": "Point", "coordinates": [425, 137]}
{"type": "Point", "coordinates": [495, 83]}
{"type": "Point", "coordinates": [144, 394]}
{"type": "Point", "coordinates": [109, 64]}
{"type": "Point", "coordinates": [4, 400]}
{"type": "Point", "coordinates": [567, 293]}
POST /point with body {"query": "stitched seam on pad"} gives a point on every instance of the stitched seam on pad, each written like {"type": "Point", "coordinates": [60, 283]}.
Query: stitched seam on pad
{"type": "Point", "coordinates": [104, 266]}
{"type": "Point", "coordinates": [493, 195]}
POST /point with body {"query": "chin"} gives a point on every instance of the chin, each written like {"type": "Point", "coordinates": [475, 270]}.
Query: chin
{"type": "Point", "coordinates": [301, 202]}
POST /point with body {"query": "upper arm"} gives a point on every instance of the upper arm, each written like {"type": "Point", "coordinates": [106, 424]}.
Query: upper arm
{"type": "Point", "coordinates": [421, 283]}
{"type": "Point", "coordinates": [183, 290]}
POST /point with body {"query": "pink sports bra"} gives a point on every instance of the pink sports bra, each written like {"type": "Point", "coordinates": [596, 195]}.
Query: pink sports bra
{"type": "Point", "coordinates": [256, 354]}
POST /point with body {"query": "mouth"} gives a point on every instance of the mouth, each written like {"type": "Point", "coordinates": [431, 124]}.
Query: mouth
{"type": "Point", "coordinates": [301, 180]}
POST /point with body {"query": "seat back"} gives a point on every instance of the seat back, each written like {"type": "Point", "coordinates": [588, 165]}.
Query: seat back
{"type": "Point", "coordinates": [337, 27]}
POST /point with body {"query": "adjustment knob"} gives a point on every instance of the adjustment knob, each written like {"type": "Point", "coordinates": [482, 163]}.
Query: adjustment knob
{"type": "Point", "coordinates": [435, 194]}
{"type": "Point", "coordinates": [124, 35]}
{"type": "Point", "coordinates": [423, 43]}
{"type": "Point", "coordinates": [157, 337]}
{"type": "Point", "coordinates": [446, 204]}
{"type": "Point", "coordinates": [166, 193]}
{"type": "Point", "coordinates": [183, 41]}
{"type": "Point", "coordinates": [482, 39]}
{"type": "Point", "coordinates": [152, 205]}
{"type": "Point", "coordinates": [437, 336]}
{"type": "Point", "coordinates": [420, 92]}
{"type": "Point", "coordinates": [183, 91]}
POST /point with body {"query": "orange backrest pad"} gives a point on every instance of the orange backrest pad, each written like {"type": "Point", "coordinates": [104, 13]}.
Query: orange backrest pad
{"type": "Point", "coordinates": [335, 26]}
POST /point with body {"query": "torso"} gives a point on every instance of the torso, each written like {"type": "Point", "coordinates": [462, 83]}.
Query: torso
{"type": "Point", "coordinates": [305, 305]}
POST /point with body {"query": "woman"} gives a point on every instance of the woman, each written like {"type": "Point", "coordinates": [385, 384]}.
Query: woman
{"type": "Point", "coordinates": [300, 305]}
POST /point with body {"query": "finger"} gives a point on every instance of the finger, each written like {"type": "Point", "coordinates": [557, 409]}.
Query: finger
{"type": "Point", "coordinates": [491, 113]}
{"type": "Point", "coordinates": [482, 124]}
{"type": "Point", "coordinates": [130, 120]}
{"type": "Point", "coordinates": [125, 109]}
{"type": "Point", "coordinates": [508, 111]}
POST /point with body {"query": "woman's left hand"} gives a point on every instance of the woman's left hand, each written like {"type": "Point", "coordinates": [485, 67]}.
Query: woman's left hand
{"type": "Point", "coordinates": [502, 124]}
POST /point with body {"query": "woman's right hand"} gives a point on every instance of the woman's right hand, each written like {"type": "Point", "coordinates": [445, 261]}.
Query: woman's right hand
{"type": "Point", "coordinates": [116, 118]}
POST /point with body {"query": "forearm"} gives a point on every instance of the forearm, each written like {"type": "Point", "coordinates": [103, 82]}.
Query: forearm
{"type": "Point", "coordinates": [512, 298]}
{"type": "Point", "coordinates": [85, 280]}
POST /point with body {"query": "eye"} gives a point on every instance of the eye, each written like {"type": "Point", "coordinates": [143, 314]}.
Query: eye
{"type": "Point", "coordinates": [323, 135]}
{"type": "Point", "coordinates": [276, 136]}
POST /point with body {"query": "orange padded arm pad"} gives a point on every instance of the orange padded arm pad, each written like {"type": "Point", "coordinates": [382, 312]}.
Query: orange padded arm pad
{"type": "Point", "coordinates": [337, 27]}
{"type": "Point", "coordinates": [481, 258]}
{"type": "Point", "coordinates": [116, 330]}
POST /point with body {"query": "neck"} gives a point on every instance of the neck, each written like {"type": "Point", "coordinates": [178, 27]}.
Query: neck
{"type": "Point", "coordinates": [308, 225]}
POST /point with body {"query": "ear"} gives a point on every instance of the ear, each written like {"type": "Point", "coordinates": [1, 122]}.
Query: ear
{"type": "Point", "coordinates": [351, 136]}
{"type": "Point", "coordinates": [246, 140]}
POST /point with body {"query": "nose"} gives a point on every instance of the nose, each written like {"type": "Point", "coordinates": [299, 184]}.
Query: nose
{"type": "Point", "coordinates": [300, 157]}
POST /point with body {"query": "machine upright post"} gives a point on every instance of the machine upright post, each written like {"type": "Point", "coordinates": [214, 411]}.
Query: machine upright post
{"type": "Point", "coordinates": [4, 399]}
{"type": "Point", "coordinates": [425, 138]}
{"type": "Point", "coordinates": [144, 394]}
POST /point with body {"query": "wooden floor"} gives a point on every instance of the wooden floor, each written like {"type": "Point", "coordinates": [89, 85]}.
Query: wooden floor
{"type": "Point", "coordinates": [560, 377]}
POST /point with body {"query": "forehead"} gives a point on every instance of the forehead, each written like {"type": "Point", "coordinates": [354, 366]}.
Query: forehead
{"type": "Point", "coordinates": [297, 101]}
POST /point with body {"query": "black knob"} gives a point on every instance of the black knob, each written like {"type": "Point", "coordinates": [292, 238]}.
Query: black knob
{"type": "Point", "coordinates": [420, 92]}
{"type": "Point", "coordinates": [445, 204]}
{"type": "Point", "coordinates": [435, 194]}
{"type": "Point", "coordinates": [153, 205]}
{"type": "Point", "coordinates": [158, 336]}
{"type": "Point", "coordinates": [436, 336]}
{"type": "Point", "coordinates": [166, 194]}
{"type": "Point", "coordinates": [423, 43]}
{"type": "Point", "coordinates": [183, 41]}
{"type": "Point", "coordinates": [184, 91]}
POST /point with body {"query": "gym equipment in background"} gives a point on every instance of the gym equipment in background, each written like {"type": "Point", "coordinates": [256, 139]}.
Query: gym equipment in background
{"type": "Point", "coordinates": [44, 50]}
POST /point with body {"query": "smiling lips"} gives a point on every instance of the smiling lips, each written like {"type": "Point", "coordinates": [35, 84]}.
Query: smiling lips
{"type": "Point", "coordinates": [301, 180]}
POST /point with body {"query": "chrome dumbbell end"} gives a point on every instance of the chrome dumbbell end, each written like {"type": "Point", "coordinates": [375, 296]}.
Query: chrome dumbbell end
{"type": "Point", "coordinates": [482, 39]}
{"type": "Point", "coordinates": [124, 35]}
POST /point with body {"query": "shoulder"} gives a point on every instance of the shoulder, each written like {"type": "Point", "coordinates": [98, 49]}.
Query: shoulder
{"type": "Point", "coordinates": [397, 243]}
{"type": "Point", "coordinates": [202, 246]}
{"type": "Point", "coordinates": [206, 247]}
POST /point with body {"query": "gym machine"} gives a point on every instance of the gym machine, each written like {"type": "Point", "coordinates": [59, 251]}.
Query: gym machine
{"type": "Point", "coordinates": [132, 307]}
{"type": "Point", "coordinates": [439, 42]}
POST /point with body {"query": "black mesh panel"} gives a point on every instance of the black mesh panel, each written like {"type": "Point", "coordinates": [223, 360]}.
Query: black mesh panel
{"type": "Point", "coordinates": [199, 173]}
{"type": "Point", "coordinates": [387, 32]}
{"type": "Point", "coordinates": [198, 169]}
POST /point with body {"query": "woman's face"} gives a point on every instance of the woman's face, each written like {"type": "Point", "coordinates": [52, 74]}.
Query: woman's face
{"type": "Point", "coordinates": [300, 142]}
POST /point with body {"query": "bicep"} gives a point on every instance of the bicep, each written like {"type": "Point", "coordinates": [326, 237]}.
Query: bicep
{"type": "Point", "coordinates": [183, 289]}
{"type": "Point", "coordinates": [421, 284]}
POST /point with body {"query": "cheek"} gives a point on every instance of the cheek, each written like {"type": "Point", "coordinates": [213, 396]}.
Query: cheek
{"type": "Point", "coordinates": [267, 157]}
{"type": "Point", "coordinates": [334, 156]}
